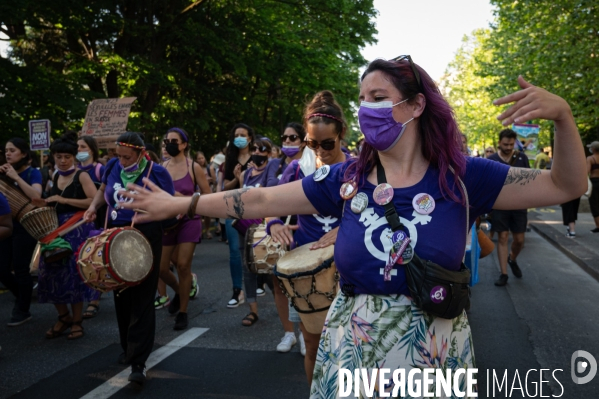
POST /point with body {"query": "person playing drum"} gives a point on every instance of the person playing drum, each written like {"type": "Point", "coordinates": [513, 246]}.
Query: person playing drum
{"type": "Point", "coordinates": [134, 305]}
{"type": "Point", "coordinates": [325, 127]}
{"type": "Point", "coordinates": [413, 142]}
{"type": "Point", "coordinates": [17, 251]}
{"type": "Point", "coordinates": [186, 175]}
{"type": "Point", "coordinates": [59, 282]}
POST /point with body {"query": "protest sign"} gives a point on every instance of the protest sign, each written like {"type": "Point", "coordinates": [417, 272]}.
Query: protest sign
{"type": "Point", "coordinates": [39, 134]}
{"type": "Point", "coordinates": [106, 119]}
{"type": "Point", "coordinates": [528, 136]}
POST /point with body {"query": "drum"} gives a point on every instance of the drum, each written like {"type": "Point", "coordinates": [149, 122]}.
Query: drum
{"type": "Point", "coordinates": [309, 279]}
{"type": "Point", "coordinates": [18, 202]}
{"type": "Point", "coordinates": [116, 259]}
{"type": "Point", "coordinates": [40, 222]}
{"type": "Point", "coordinates": [261, 251]}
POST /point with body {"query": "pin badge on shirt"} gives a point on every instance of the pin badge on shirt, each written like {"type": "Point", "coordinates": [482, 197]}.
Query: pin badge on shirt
{"type": "Point", "coordinates": [348, 190]}
{"type": "Point", "coordinates": [407, 255]}
{"type": "Point", "coordinates": [113, 214]}
{"type": "Point", "coordinates": [359, 203]}
{"type": "Point", "coordinates": [400, 242]}
{"type": "Point", "coordinates": [321, 173]}
{"type": "Point", "coordinates": [383, 194]}
{"type": "Point", "coordinates": [423, 203]}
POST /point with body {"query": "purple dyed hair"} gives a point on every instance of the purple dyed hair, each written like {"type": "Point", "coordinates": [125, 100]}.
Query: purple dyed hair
{"type": "Point", "coordinates": [439, 132]}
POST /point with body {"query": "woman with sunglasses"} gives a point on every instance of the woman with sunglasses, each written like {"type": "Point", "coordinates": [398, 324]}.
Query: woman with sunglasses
{"type": "Point", "coordinates": [325, 127]}
{"type": "Point", "coordinates": [432, 192]}
{"type": "Point", "coordinates": [237, 160]}
{"type": "Point", "coordinates": [292, 145]}
{"type": "Point", "coordinates": [18, 249]}
{"type": "Point", "coordinates": [261, 174]}
{"type": "Point", "coordinates": [186, 175]}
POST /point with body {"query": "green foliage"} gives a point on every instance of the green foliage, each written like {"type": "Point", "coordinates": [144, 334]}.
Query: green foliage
{"type": "Point", "coordinates": [201, 65]}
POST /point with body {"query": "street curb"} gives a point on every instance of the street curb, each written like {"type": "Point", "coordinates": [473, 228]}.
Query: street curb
{"type": "Point", "coordinates": [587, 260]}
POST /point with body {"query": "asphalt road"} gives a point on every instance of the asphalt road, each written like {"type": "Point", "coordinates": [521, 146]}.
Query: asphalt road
{"type": "Point", "coordinates": [536, 322]}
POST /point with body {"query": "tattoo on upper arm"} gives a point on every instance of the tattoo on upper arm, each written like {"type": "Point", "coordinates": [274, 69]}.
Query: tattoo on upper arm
{"type": "Point", "coordinates": [521, 176]}
{"type": "Point", "coordinates": [234, 203]}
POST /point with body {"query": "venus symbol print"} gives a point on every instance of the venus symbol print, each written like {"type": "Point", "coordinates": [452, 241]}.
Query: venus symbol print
{"type": "Point", "coordinates": [423, 203]}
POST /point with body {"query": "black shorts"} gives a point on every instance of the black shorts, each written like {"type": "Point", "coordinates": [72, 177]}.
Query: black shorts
{"type": "Point", "coordinates": [514, 221]}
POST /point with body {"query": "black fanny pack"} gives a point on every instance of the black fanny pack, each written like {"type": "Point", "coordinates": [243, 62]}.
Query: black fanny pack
{"type": "Point", "coordinates": [434, 289]}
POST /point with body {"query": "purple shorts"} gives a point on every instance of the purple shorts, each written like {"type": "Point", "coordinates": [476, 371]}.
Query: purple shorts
{"type": "Point", "coordinates": [186, 231]}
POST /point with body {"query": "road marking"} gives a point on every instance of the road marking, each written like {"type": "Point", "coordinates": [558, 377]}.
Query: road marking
{"type": "Point", "coordinates": [119, 381]}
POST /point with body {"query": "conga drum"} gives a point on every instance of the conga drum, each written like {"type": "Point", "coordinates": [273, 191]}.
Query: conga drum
{"type": "Point", "coordinates": [261, 251]}
{"type": "Point", "coordinates": [18, 202]}
{"type": "Point", "coordinates": [309, 279]}
{"type": "Point", "coordinates": [118, 258]}
{"type": "Point", "coordinates": [40, 222]}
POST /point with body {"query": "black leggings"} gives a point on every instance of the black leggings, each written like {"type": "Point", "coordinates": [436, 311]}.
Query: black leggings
{"type": "Point", "coordinates": [594, 198]}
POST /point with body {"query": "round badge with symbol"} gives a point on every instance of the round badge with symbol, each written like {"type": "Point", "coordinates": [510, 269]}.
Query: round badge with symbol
{"type": "Point", "coordinates": [383, 194]}
{"type": "Point", "coordinates": [321, 173]}
{"type": "Point", "coordinates": [359, 203]}
{"type": "Point", "coordinates": [348, 190]}
{"type": "Point", "coordinates": [407, 255]}
{"type": "Point", "coordinates": [113, 214]}
{"type": "Point", "coordinates": [423, 203]}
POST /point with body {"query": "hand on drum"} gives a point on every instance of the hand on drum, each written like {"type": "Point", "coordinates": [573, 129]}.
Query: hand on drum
{"type": "Point", "coordinates": [328, 239]}
{"type": "Point", "coordinates": [532, 103]}
{"type": "Point", "coordinates": [55, 198]}
{"type": "Point", "coordinates": [9, 171]}
{"type": "Point", "coordinates": [282, 233]}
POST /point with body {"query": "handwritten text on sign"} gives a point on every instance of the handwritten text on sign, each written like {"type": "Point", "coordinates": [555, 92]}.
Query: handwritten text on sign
{"type": "Point", "coordinates": [39, 134]}
{"type": "Point", "coordinates": [106, 119]}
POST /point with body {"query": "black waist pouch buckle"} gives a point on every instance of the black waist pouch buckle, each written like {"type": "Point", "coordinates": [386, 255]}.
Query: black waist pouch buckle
{"type": "Point", "coordinates": [436, 290]}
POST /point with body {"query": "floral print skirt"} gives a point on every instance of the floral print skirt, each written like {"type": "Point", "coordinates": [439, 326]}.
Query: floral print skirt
{"type": "Point", "coordinates": [386, 331]}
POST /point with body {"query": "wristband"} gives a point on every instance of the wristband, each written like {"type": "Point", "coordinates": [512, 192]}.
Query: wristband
{"type": "Point", "coordinates": [272, 222]}
{"type": "Point", "coordinates": [191, 212]}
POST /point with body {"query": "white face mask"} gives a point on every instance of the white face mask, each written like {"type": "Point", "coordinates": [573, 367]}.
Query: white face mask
{"type": "Point", "coordinates": [82, 156]}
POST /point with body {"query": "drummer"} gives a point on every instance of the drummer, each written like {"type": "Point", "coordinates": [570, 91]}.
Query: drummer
{"type": "Point", "coordinates": [59, 282]}
{"type": "Point", "coordinates": [134, 305]}
{"type": "Point", "coordinates": [87, 157]}
{"type": "Point", "coordinates": [29, 179]}
{"type": "Point", "coordinates": [411, 141]}
{"type": "Point", "coordinates": [325, 128]}
{"type": "Point", "coordinates": [186, 175]}
{"type": "Point", "coordinates": [257, 175]}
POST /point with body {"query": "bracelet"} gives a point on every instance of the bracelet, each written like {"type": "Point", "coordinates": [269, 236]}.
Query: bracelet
{"type": "Point", "coordinates": [191, 212]}
{"type": "Point", "coordinates": [271, 223]}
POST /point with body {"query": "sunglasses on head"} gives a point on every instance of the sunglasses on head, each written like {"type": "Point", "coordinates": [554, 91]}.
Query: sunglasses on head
{"type": "Point", "coordinates": [291, 137]}
{"type": "Point", "coordinates": [326, 145]}
{"type": "Point", "coordinates": [171, 141]}
{"type": "Point", "coordinates": [414, 70]}
{"type": "Point", "coordinates": [261, 148]}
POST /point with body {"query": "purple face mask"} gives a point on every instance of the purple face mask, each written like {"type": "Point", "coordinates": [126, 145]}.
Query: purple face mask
{"type": "Point", "coordinates": [290, 150]}
{"type": "Point", "coordinates": [131, 168]}
{"type": "Point", "coordinates": [380, 129]}
{"type": "Point", "coordinates": [66, 172]}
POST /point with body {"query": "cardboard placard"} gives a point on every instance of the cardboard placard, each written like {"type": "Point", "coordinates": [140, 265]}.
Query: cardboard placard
{"type": "Point", "coordinates": [39, 134]}
{"type": "Point", "coordinates": [106, 119]}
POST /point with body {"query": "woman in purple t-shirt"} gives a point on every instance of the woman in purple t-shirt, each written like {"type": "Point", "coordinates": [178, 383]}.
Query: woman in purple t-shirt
{"type": "Point", "coordinates": [411, 141]}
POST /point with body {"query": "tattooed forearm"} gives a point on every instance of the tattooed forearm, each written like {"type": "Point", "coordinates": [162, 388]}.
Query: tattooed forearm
{"type": "Point", "coordinates": [234, 203]}
{"type": "Point", "coordinates": [521, 176]}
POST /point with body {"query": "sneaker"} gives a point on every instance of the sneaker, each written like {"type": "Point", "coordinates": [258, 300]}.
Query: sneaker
{"type": "Point", "coordinates": [194, 286]}
{"type": "Point", "coordinates": [260, 292]}
{"type": "Point", "coordinates": [502, 280]}
{"type": "Point", "coordinates": [595, 230]}
{"type": "Point", "coordinates": [180, 321]}
{"type": "Point", "coordinates": [237, 298]}
{"type": "Point", "coordinates": [19, 318]}
{"type": "Point", "coordinates": [569, 234]}
{"type": "Point", "coordinates": [515, 268]}
{"type": "Point", "coordinates": [173, 307]}
{"type": "Point", "coordinates": [287, 342]}
{"type": "Point", "coordinates": [138, 374]}
{"type": "Point", "coordinates": [302, 344]}
{"type": "Point", "coordinates": [161, 302]}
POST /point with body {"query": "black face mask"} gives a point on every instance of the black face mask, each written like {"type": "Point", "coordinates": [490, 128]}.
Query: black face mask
{"type": "Point", "coordinates": [173, 149]}
{"type": "Point", "coordinates": [259, 160]}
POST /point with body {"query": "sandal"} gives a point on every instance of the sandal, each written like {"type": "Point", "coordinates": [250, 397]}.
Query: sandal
{"type": "Point", "coordinates": [77, 333]}
{"type": "Point", "coordinates": [52, 333]}
{"type": "Point", "coordinates": [90, 314]}
{"type": "Point", "coordinates": [251, 318]}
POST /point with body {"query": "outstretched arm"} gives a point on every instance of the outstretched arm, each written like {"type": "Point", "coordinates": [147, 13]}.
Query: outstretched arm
{"type": "Point", "coordinates": [245, 203]}
{"type": "Point", "coordinates": [528, 188]}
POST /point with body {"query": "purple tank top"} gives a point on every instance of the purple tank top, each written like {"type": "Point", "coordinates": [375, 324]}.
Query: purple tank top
{"type": "Point", "coordinates": [255, 181]}
{"type": "Point", "coordinates": [185, 184]}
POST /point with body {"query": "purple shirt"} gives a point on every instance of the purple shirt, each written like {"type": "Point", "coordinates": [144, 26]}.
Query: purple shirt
{"type": "Point", "coordinates": [31, 176]}
{"type": "Point", "coordinates": [311, 227]}
{"type": "Point", "coordinates": [4, 208]}
{"type": "Point", "coordinates": [113, 182]}
{"type": "Point", "coordinates": [267, 178]}
{"type": "Point", "coordinates": [363, 243]}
